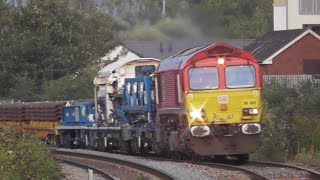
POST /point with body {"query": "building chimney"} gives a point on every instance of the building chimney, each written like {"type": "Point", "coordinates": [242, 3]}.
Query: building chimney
{"type": "Point", "coordinates": [161, 47]}
{"type": "Point", "coordinates": [280, 15]}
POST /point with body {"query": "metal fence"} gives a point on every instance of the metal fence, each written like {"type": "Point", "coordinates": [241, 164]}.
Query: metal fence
{"type": "Point", "coordinates": [290, 80]}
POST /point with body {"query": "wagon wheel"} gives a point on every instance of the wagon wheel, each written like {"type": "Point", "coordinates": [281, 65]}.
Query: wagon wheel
{"type": "Point", "coordinates": [176, 155]}
{"type": "Point", "coordinates": [144, 151]}
{"type": "Point", "coordinates": [196, 157]}
{"type": "Point", "coordinates": [100, 145]}
{"type": "Point", "coordinates": [220, 158]}
{"type": "Point", "coordinates": [242, 158]}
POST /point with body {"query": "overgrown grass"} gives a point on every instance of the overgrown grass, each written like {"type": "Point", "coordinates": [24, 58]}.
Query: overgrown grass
{"type": "Point", "coordinates": [308, 157]}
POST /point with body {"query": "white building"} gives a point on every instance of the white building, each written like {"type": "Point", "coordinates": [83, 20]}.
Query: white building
{"type": "Point", "coordinates": [296, 14]}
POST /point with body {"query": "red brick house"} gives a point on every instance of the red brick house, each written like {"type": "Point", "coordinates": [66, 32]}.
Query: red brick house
{"type": "Point", "coordinates": [288, 52]}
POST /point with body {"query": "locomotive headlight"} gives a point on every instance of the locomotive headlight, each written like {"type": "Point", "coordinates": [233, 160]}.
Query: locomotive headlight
{"type": "Point", "coordinates": [195, 113]}
{"type": "Point", "coordinates": [250, 111]}
{"type": "Point", "coordinates": [220, 61]}
{"type": "Point", "coordinates": [254, 111]}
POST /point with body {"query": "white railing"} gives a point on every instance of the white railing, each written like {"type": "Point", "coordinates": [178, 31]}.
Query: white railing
{"type": "Point", "coordinates": [291, 80]}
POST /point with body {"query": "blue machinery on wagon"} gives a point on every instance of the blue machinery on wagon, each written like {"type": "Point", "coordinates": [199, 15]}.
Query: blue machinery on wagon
{"type": "Point", "coordinates": [122, 107]}
{"type": "Point", "coordinates": [137, 99]}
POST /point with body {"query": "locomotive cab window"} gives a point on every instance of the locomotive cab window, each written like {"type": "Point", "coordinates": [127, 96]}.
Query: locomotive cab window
{"type": "Point", "coordinates": [240, 76]}
{"type": "Point", "coordinates": [203, 78]}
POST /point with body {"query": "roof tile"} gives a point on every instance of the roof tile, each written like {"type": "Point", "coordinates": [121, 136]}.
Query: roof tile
{"type": "Point", "coordinates": [271, 42]}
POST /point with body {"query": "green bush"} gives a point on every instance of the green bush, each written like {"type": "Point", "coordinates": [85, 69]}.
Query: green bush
{"type": "Point", "coordinates": [290, 122]}
{"type": "Point", "coordinates": [23, 156]}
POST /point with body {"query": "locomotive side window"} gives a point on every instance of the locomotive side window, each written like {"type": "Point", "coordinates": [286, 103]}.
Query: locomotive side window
{"type": "Point", "coordinates": [159, 89]}
{"type": "Point", "coordinates": [240, 76]}
{"type": "Point", "coordinates": [202, 78]}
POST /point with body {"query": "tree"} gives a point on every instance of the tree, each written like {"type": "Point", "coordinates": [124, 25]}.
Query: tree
{"type": "Point", "coordinates": [71, 87]}
{"type": "Point", "coordinates": [242, 19]}
{"type": "Point", "coordinates": [45, 40]}
{"type": "Point", "coordinates": [226, 18]}
{"type": "Point", "coordinates": [23, 88]}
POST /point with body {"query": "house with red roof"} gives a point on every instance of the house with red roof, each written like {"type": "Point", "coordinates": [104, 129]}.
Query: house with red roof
{"type": "Point", "coordinates": [288, 52]}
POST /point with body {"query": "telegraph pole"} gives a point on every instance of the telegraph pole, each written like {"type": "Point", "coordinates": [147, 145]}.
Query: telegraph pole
{"type": "Point", "coordinates": [163, 8]}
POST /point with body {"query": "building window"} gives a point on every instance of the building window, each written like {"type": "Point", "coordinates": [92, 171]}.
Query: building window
{"type": "Point", "coordinates": [311, 66]}
{"type": "Point", "coordinates": [314, 27]}
{"type": "Point", "coordinates": [159, 89]}
{"type": "Point", "coordinates": [309, 6]}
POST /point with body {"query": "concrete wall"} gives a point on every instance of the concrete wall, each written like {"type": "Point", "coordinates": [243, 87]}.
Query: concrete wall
{"type": "Point", "coordinates": [296, 20]}
{"type": "Point", "coordinates": [286, 15]}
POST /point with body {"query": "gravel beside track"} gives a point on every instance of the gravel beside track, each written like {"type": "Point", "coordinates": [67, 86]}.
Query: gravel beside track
{"type": "Point", "coordinates": [76, 173]}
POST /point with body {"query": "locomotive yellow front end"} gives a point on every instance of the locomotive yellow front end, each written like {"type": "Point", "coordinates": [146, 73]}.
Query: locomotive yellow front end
{"type": "Point", "coordinates": [224, 122]}
{"type": "Point", "coordinates": [223, 106]}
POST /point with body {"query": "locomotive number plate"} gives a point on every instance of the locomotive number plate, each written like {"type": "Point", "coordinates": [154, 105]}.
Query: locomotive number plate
{"type": "Point", "coordinates": [223, 99]}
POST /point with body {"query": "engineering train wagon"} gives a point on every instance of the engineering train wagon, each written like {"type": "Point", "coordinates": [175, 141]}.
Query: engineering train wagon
{"type": "Point", "coordinates": [39, 118]}
{"type": "Point", "coordinates": [204, 101]}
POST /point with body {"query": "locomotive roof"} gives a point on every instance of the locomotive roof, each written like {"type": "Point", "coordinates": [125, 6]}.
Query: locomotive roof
{"type": "Point", "coordinates": [179, 60]}
{"type": "Point", "coordinates": [162, 49]}
{"type": "Point", "coordinates": [112, 66]}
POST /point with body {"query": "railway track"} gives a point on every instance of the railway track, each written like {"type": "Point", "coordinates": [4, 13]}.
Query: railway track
{"type": "Point", "coordinates": [259, 170]}
{"type": "Point", "coordinates": [251, 174]}
{"type": "Point", "coordinates": [75, 163]}
{"type": "Point", "coordinates": [251, 170]}
{"type": "Point", "coordinates": [112, 167]}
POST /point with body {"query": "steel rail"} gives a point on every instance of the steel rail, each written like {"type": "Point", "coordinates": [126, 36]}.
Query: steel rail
{"type": "Point", "coordinates": [155, 172]}
{"type": "Point", "coordinates": [313, 174]}
{"type": "Point", "coordinates": [252, 174]}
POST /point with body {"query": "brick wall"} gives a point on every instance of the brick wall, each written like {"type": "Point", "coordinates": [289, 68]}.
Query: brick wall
{"type": "Point", "coordinates": [290, 61]}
